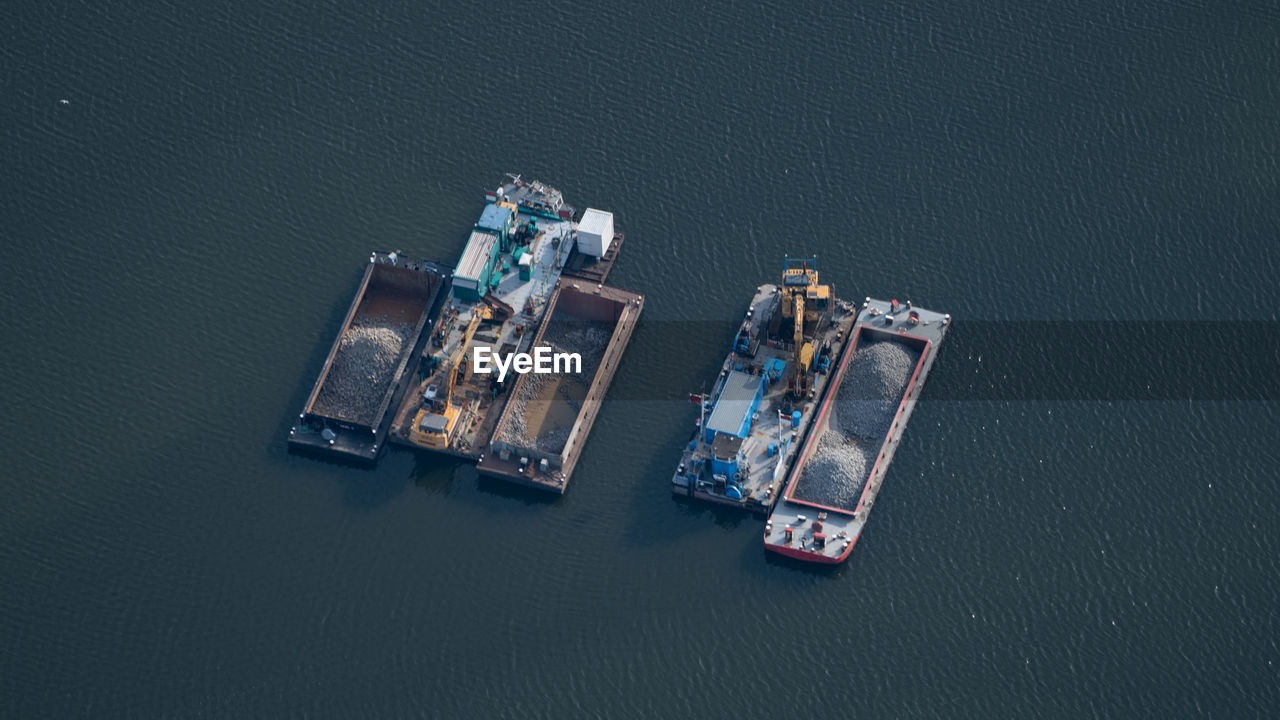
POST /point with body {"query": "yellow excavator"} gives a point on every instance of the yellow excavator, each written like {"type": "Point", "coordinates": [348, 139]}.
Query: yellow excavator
{"type": "Point", "coordinates": [803, 302]}
{"type": "Point", "coordinates": [436, 423]}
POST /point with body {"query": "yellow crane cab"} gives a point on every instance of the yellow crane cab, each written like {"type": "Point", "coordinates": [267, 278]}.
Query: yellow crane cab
{"type": "Point", "coordinates": [435, 430]}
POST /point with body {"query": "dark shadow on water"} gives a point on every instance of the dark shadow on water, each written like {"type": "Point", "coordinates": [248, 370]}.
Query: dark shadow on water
{"type": "Point", "coordinates": [328, 458]}
{"type": "Point", "coordinates": [438, 474]}
{"type": "Point", "coordinates": [724, 517]}
{"type": "Point", "coordinates": [363, 487]}
{"type": "Point", "coordinates": [457, 477]}
{"type": "Point", "coordinates": [503, 489]}
{"type": "Point", "coordinates": [654, 496]}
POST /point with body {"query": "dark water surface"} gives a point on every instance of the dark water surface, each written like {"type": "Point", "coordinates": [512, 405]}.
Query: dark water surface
{"type": "Point", "coordinates": [181, 240]}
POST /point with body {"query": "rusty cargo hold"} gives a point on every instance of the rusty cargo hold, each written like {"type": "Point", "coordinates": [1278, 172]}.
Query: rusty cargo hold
{"type": "Point", "coordinates": [544, 426]}
{"type": "Point", "coordinates": [348, 410]}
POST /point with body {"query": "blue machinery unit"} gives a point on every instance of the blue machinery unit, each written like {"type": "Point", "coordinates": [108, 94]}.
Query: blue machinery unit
{"type": "Point", "coordinates": [774, 369]}
{"type": "Point", "coordinates": [731, 420]}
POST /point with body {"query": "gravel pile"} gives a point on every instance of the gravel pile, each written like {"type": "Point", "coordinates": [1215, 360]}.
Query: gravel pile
{"type": "Point", "coordinates": [835, 474]}
{"type": "Point", "coordinates": [864, 409]}
{"type": "Point", "coordinates": [362, 370]}
{"type": "Point", "coordinates": [589, 340]}
{"type": "Point", "coordinates": [873, 387]}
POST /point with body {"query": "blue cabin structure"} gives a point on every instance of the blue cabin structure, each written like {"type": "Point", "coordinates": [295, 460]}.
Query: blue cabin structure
{"type": "Point", "coordinates": [500, 221]}
{"type": "Point", "coordinates": [731, 419]}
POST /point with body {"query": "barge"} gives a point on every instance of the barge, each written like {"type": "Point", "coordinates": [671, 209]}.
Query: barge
{"type": "Point", "coordinates": [528, 253]}
{"type": "Point", "coordinates": [350, 407]}
{"type": "Point", "coordinates": [545, 424]}
{"type": "Point", "coordinates": [833, 485]}
{"type": "Point", "coordinates": [751, 424]}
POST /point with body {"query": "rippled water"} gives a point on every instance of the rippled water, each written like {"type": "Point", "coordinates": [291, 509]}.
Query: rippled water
{"type": "Point", "coordinates": [182, 238]}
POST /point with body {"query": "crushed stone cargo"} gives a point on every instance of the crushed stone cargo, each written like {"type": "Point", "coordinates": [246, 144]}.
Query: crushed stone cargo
{"type": "Point", "coordinates": [865, 405]}
{"type": "Point", "coordinates": [363, 369]}
{"type": "Point", "coordinates": [846, 454]}
{"type": "Point", "coordinates": [535, 398]}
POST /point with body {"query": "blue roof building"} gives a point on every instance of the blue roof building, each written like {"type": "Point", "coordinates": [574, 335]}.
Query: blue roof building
{"type": "Point", "coordinates": [739, 399]}
{"type": "Point", "coordinates": [498, 220]}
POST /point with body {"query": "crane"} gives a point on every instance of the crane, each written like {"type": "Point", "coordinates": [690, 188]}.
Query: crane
{"type": "Point", "coordinates": [436, 422]}
{"type": "Point", "coordinates": [804, 301]}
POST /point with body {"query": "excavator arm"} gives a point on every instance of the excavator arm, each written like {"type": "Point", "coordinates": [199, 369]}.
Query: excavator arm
{"type": "Point", "coordinates": [798, 315]}
{"type": "Point", "coordinates": [800, 278]}
{"type": "Point", "coordinates": [435, 423]}
{"type": "Point", "coordinates": [458, 360]}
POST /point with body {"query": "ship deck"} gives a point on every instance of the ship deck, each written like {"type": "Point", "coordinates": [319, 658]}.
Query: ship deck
{"type": "Point", "coordinates": [528, 301]}
{"type": "Point", "coordinates": [841, 526]}
{"type": "Point", "coordinates": [592, 269]}
{"type": "Point", "coordinates": [764, 473]}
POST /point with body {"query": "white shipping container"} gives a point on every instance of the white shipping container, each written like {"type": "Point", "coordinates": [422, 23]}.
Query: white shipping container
{"type": "Point", "coordinates": [595, 232]}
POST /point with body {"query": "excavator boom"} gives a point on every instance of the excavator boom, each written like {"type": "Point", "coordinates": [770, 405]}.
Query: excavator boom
{"type": "Point", "coordinates": [804, 299]}
{"type": "Point", "coordinates": [437, 420]}
{"type": "Point", "coordinates": [798, 313]}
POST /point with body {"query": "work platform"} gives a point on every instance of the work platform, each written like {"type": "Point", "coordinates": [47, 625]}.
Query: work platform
{"type": "Point", "coordinates": [592, 269]}
{"type": "Point", "coordinates": [748, 432]}
{"type": "Point", "coordinates": [514, 307]}
{"type": "Point", "coordinates": [529, 280]}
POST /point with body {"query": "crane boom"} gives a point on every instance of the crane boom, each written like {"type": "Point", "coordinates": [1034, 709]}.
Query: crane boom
{"type": "Point", "coordinates": [804, 300]}
{"type": "Point", "coordinates": [478, 314]}
{"type": "Point", "coordinates": [438, 419]}
{"type": "Point", "coordinates": [798, 312]}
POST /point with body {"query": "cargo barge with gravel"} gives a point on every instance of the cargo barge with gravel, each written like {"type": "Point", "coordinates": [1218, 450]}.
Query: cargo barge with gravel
{"type": "Point", "coordinates": [751, 424]}
{"type": "Point", "coordinates": [541, 431]}
{"type": "Point", "coordinates": [833, 485]}
{"type": "Point", "coordinates": [350, 407]}
{"type": "Point", "coordinates": [529, 260]}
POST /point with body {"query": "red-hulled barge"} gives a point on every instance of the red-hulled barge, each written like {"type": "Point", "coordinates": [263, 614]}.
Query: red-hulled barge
{"type": "Point", "coordinates": [821, 514]}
